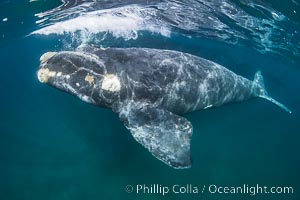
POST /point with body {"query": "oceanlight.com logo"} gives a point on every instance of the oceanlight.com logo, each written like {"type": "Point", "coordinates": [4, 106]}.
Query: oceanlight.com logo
{"type": "Point", "coordinates": [210, 189]}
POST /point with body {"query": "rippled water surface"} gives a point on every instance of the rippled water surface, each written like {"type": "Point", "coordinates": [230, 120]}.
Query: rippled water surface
{"type": "Point", "coordinates": [54, 146]}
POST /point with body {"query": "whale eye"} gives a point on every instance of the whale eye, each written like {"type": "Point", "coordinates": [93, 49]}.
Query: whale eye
{"type": "Point", "coordinates": [111, 83]}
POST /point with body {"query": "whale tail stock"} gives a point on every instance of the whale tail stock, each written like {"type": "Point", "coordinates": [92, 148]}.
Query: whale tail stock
{"type": "Point", "coordinates": [258, 80]}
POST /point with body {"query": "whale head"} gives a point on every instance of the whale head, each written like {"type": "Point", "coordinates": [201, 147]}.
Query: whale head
{"type": "Point", "coordinates": [80, 74]}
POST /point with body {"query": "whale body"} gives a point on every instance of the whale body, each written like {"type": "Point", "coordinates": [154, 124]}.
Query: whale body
{"type": "Point", "coordinates": [150, 90]}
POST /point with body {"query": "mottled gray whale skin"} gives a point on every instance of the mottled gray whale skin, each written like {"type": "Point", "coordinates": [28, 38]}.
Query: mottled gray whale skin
{"type": "Point", "coordinates": [150, 89]}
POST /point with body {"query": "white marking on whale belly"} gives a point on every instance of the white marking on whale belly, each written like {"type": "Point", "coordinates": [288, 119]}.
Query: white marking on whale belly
{"type": "Point", "coordinates": [111, 83]}
{"type": "Point", "coordinates": [86, 99]}
{"type": "Point", "coordinates": [209, 106]}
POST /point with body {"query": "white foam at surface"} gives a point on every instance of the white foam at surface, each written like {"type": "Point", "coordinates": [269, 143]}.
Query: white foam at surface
{"type": "Point", "coordinates": [218, 20]}
{"type": "Point", "coordinates": [122, 22]}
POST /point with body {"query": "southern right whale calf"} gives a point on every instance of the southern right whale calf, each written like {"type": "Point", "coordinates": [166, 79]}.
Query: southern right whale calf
{"type": "Point", "coordinates": [150, 90]}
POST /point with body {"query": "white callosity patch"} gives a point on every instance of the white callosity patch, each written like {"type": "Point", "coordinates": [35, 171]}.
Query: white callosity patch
{"type": "Point", "coordinates": [90, 79]}
{"type": "Point", "coordinates": [44, 74]}
{"type": "Point", "coordinates": [46, 56]}
{"type": "Point", "coordinates": [111, 83]}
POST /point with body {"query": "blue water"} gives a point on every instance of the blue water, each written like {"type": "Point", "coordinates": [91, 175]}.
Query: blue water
{"type": "Point", "coordinates": [54, 146]}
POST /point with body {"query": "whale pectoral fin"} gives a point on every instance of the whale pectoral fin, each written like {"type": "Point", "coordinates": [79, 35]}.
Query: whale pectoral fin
{"type": "Point", "coordinates": [166, 135]}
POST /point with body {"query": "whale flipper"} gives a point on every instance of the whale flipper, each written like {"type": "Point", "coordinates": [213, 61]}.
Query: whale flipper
{"type": "Point", "coordinates": [166, 135]}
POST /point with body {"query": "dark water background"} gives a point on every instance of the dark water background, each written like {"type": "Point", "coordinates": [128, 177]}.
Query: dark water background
{"type": "Point", "coordinates": [53, 146]}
